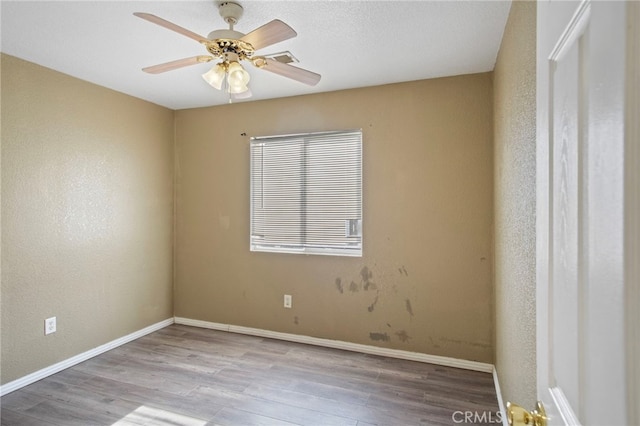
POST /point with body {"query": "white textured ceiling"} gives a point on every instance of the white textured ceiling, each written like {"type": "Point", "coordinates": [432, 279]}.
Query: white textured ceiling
{"type": "Point", "coordinates": [351, 43]}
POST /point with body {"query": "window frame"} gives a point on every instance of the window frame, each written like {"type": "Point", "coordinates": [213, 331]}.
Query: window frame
{"type": "Point", "coordinates": [356, 250]}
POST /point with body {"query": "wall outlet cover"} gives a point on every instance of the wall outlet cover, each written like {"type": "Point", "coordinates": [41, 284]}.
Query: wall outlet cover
{"type": "Point", "coordinates": [50, 325]}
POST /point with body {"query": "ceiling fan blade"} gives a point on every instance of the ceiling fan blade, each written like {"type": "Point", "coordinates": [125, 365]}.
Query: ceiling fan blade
{"type": "Point", "coordinates": [170, 26]}
{"type": "Point", "coordinates": [270, 33]}
{"type": "Point", "coordinates": [295, 73]}
{"type": "Point", "coordinates": [168, 66]}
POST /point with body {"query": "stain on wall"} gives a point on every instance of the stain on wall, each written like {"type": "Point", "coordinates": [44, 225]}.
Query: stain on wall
{"type": "Point", "coordinates": [367, 276]}
{"type": "Point", "coordinates": [379, 337]}
{"type": "Point", "coordinates": [407, 304]}
{"type": "Point", "coordinates": [388, 288]}
{"type": "Point", "coordinates": [365, 283]}
{"type": "Point", "coordinates": [373, 305]}
{"type": "Point", "coordinates": [403, 336]}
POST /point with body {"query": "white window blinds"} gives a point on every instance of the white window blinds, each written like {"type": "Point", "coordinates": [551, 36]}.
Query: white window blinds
{"type": "Point", "coordinates": [306, 193]}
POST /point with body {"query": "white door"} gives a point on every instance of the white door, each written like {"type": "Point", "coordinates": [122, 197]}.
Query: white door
{"type": "Point", "coordinates": [582, 308]}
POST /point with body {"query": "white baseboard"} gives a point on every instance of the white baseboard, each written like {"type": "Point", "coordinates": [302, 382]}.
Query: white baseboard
{"type": "Point", "coordinates": [55, 368]}
{"type": "Point", "coordinates": [338, 344]}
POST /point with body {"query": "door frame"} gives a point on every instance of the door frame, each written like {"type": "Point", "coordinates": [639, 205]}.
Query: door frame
{"type": "Point", "coordinates": [632, 208]}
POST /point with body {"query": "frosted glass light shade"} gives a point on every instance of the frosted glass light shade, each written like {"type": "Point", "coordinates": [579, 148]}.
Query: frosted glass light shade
{"type": "Point", "coordinates": [215, 76]}
{"type": "Point", "coordinates": [238, 78]}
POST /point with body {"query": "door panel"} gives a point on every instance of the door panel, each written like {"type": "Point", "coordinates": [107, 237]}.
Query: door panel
{"type": "Point", "coordinates": [580, 212]}
{"type": "Point", "coordinates": [565, 283]}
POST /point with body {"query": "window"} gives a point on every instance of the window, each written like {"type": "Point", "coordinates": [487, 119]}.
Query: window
{"type": "Point", "coordinates": [306, 193]}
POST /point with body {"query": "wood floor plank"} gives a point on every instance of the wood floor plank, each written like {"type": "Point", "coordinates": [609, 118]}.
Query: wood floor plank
{"type": "Point", "coordinates": [14, 418]}
{"type": "Point", "coordinates": [333, 392]}
{"type": "Point", "coordinates": [234, 417]}
{"type": "Point", "coordinates": [191, 405]}
{"type": "Point", "coordinates": [146, 378]}
{"type": "Point", "coordinates": [241, 378]}
{"type": "Point", "coordinates": [77, 396]}
{"type": "Point", "coordinates": [187, 376]}
{"type": "Point", "coordinates": [69, 415]}
{"type": "Point", "coordinates": [308, 401]}
{"type": "Point", "coordinates": [293, 414]}
{"type": "Point", "coordinates": [153, 416]}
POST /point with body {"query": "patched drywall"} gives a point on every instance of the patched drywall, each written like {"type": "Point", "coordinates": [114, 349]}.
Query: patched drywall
{"type": "Point", "coordinates": [424, 282]}
{"type": "Point", "coordinates": [515, 194]}
{"type": "Point", "coordinates": [87, 215]}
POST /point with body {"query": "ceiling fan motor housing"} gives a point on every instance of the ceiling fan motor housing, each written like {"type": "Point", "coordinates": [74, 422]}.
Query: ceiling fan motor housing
{"type": "Point", "coordinates": [222, 47]}
{"type": "Point", "coordinates": [231, 12]}
{"type": "Point", "coordinates": [223, 43]}
{"type": "Point", "coordinates": [225, 34]}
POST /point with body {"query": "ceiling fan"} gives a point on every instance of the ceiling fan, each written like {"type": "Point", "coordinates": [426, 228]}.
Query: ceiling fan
{"type": "Point", "coordinates": [232, 47]}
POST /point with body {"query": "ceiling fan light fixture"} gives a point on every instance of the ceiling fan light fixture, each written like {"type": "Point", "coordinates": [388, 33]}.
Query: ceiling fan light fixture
{"type": "Point", "coordinates": [237, 89]}
{"type": "Point", "coordinates": [238, 76]}
{"type": "Point", "coordinates": [215, 76]}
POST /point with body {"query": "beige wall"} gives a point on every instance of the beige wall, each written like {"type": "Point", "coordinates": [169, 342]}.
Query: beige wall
{"type": "Point", "coordinates": [424, 283]}
{"type": "Point", "coordinates": [87, 218]}
{"type": "Point", "coordinates": [515, 192]}
{"type": "Point", "coordinates": [86, 215]}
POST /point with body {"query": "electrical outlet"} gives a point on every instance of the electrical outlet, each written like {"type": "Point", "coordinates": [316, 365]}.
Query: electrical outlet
{"type": "Point", "coordinates": [287, 301]}
{"type": "Point", "coordinates": [50, 325]}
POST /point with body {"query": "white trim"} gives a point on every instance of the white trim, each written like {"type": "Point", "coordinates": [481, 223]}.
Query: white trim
{"type": "Point", "coordinates": [573, 31]}
{"type": "Point", "coordinates": [632, 210]}
{"type": "Point", "coordinates": [564, 407]}
{"type": "Point", "coordinates": [503, 411]}
{"type": "Point", "coordinates": [70, 362]}
{"type": "Point", "coordinates": [338, 344]}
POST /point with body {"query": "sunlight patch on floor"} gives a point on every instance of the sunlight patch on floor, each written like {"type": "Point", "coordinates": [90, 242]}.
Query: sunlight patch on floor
{"type": "Point", "coordinates": [144, 415]}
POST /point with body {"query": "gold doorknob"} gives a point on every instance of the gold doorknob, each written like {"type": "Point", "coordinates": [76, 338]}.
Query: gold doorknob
{"type": "Point", "coordinates": [518, 416]}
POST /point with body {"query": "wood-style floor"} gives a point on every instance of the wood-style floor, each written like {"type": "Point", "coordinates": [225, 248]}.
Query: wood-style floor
{"type": "Point", "coordinates": [190, 376]}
